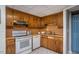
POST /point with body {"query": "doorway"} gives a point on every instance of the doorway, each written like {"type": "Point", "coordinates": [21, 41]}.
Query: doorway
{"type": "Point", "coordinates": [75, 33]}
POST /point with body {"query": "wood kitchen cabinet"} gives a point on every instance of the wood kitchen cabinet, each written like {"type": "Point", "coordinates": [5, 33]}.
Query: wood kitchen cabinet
{"type": "Point", "coordinates": [54, 44]}
{"type": "Point", "coordinates": [38, 22]}
{"type": "Point", "coordinates": [44, 42]}
{"type": "Point", "coordinates": [9, 16]}
{"type": "Point", "coordinates": [34, 22]}
{"type": "Point", "coordinates": [55, 19]}
{"type": "Point", "coordinates": [10, 46]}
{"type": "Point", "coordinates": [31, 21]}
{"type": "Point", "coordinates": [18, 15]}
{"type": "Point", "coordinates": [42, 23]}
{"type": "Point", "coordinates": [51, 44]}
{"type": "Point", "coordinates": [59, 44]}
{"type": "Point", "coordinates": [60, 20]}
{"type": "Point", "coordinates": [26, 18]}
{"type": "Point", "coordinates": [49, 19]}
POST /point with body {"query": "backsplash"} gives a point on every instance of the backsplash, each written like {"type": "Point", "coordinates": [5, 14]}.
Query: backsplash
{"type": "Point", "coordinates": [51, 30]}
{"type": "Point", "coordinates": [54, 29]}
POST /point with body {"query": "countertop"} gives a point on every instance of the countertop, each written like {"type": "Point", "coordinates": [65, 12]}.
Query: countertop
{"type": "Point", "coordinates": [47, 36]}
{"type": "Point", "coordinates": [10, 38]}
{"type": "Point", "coordinates": [52, 36]}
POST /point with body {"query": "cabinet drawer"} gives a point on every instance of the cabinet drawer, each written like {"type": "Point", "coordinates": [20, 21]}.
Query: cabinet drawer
{"type": "Point", "coordinates": [10, 42]}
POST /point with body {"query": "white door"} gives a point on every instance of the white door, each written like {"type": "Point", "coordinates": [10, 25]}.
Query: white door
{"type": "Point", "coordinates": [2, 29]}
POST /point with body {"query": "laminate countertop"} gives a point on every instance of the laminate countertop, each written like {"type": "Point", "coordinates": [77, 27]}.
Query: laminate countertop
{"type": "Point", "coordinates": [52, 36]}
{"type": "Point", "coordinates": [10, 38]}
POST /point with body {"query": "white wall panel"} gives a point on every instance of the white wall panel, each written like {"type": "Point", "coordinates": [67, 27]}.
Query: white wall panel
{"type": "Point", "coordinates": [2, 29]}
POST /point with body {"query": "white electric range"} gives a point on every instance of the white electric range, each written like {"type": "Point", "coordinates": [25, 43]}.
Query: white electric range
{"type": "Point", "coordinates": [23, 42]}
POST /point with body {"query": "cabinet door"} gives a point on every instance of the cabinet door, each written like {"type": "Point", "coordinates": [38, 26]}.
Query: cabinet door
{"type": "Point", "coordinates": [35, 21]}
{"type": "Point", "coordinates": [50, 19]}
{"type": "Point", "coordinates": [38, 22]}
{"type": "Point", "coordinates": [42, 22]}
{"type": "Point", "coordinates": [18, 15]}
{"type": "Point", "coordinates": [26, 18]}
{"type": "Point", "coordinates": [10, 46]}
{"type": "Point", "coordinates": [9, 16]}
{"type": "Point", "coordinates": [44, 42]}
{"type": "Point", "coordinates": [55, 17]}
{"type": "Point", "coordinates": [10, 49]}
{"type": "Point", "coordinates": [60, 20]}
{"type": "Point", "coordinates": [59, 45]}
{"type": "Point", "coordinates": [30, 21]}
{"type": "Point", "coordinates": [51, 44]}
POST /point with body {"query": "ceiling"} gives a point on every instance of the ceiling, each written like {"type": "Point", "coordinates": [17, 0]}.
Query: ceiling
{"type": "Point", "coordinates": [40, 10]}
{"type": "Point", "coordinates": [74, 8]}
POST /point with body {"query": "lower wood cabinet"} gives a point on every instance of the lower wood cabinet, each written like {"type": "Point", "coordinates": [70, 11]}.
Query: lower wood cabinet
{"type": "Point", "coordinates": [51, 44]}
{"type": "Point", "coordinates": [44, 42]}
{"type": "Point", "coordinates": [55, 44]}
{"type": "Point", "coordinates": [10, 46]}
{"type": "Point", "coordinates": [59, 44]}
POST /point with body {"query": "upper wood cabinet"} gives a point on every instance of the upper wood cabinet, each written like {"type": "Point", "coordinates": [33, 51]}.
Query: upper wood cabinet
{"type": "Point", "coordinates": [38, 22]}
{"type": "Point", "coordinates": [42, 22]}
{"type": "Point", "coordinates": [55, 19]}
{"type": "Point", "coordinates": [34, 22]}
{"type": "Point", "coordinates": [31, 21]}
{"type": "Point", "coordinates": [26, 17]}
{"type": "Point", "coordinates": [9, 16]}
{"type": "Point", "coordinates": [13, 15]}
{"type": "Point", "coordinates": [51, 19]}
{"type": "Point", "coordinates": [60, 20]}
{"type": "Point", "coordinates": [18, 15]}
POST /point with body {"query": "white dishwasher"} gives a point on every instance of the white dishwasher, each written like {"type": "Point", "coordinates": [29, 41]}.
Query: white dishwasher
{"type": "Point", "coordinates": [36, 41]}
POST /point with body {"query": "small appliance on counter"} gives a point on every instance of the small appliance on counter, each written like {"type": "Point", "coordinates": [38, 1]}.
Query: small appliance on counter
{"type": "Point", "coordinates": [23, 40]}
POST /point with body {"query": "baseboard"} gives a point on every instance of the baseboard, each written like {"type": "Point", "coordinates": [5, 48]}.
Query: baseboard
{"type": "Point", "coordinates": [70, 52]}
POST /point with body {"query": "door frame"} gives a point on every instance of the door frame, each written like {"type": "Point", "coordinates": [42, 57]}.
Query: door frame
{"type": "Point", "coordinates": [67, 30]}
{"type": "Point", "coordinates": [3, 29]}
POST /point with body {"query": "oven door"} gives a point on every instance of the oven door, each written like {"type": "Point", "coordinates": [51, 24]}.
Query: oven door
{"type": "Point", "coordinates": [23, 44]}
